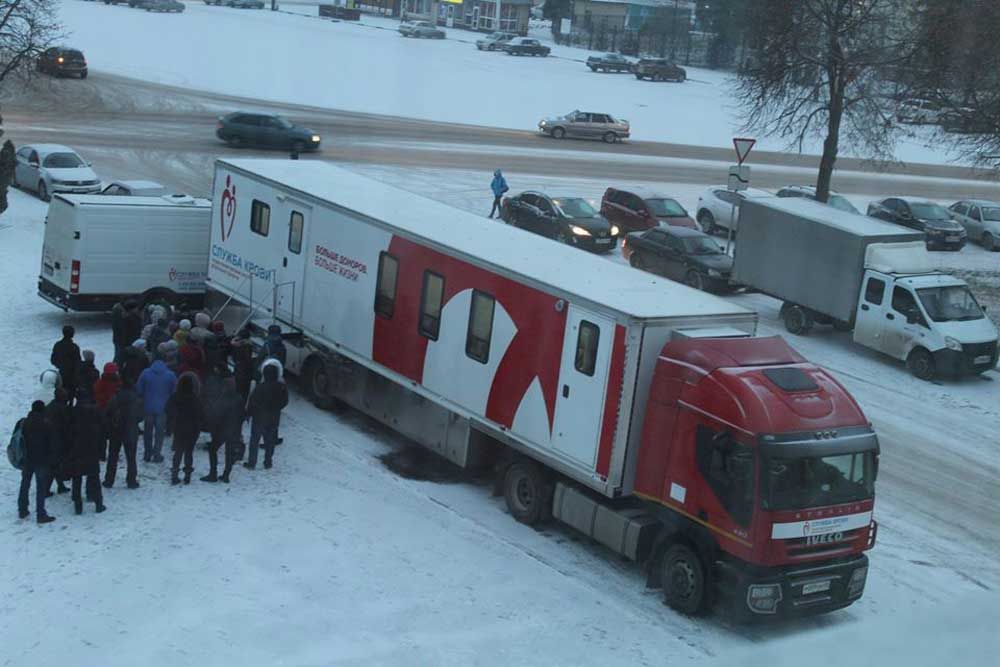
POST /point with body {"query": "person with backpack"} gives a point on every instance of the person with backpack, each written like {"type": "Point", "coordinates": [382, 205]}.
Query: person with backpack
{"type": "Point", "coordinates": [267, 401]}
{"type": "Point", "coordinates": [499, 187]}
{"type": "Point", "coordinates": [83, 459]}
{"type": "Point", "coordinates": [227, 430]}
{"type": "Point", "coordinates": [37, 443]}
{"type": "Point", "coordinates": [155, 386]}
{"type": "Point", "coordinates": [123, 414]}
{"type": "Point", "coordinates": [66, 357]}
{"type": "Point", "coordinates": [185, 413]}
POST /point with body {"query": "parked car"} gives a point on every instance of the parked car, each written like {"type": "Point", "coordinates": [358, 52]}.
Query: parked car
{"type": "Point", "coordinates": [134, 189]}
{"type": "Point", "coordinates": [245, 4]}
{"type": "Point", "coordinates": [835, 200]}
{"type": "Point", "coordinates": [681, 254]}
{"type": "Point", "coordinates": [161, 6]}
{"type": "Point", "coordinates": [965, 121]}
{"type": "Point", "coordinates": [50, 168]}
{"type": "Point", "coordinates": [526, 46]}
{"type": "Point", "coordinates": [637, 208]}
{"type": "Point", "coordinates": [918, 112]}
{"type": "Point", "coordinates": [940, 231]}
{"type": "Point", "coordinates": [421, 29]}
{"type": "Point", "coordinates": [62, 61]}
{"type": "Point", "coordinates": [586, 125]}
{"type": "Point", "coordinates": [495, 41]}
{"type": "Point", "coordinates": [609, 62]}
{"type": "Point", "coordinates": [658, 69]}
{"type": "Point", "coordinates": [569, 220]}
{"type": "Point", "coordinates": [981, 220]}
{"type": "Point", "coordinates": [715, 207]}
{"type": "Point", "coordinates": [266, 130]}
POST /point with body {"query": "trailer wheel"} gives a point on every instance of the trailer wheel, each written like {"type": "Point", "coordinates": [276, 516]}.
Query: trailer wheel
{"type": "Point", "coordinates": [528, 492]}
{"type": "Point", "coordinates": [921, 364]}
{"type": "Point", "coordinates": [797, 319]}
{"type": "Point", "coordinates": [683, 577]}
{"type": "Point", "coordinates": [318, 384]}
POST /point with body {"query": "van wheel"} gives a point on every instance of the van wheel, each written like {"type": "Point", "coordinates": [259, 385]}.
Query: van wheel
{"type": "Point", "coordinates": [43, 191]}
{"type": "Point", "coordinates": [921, 364]}
{"type": "Point", "coordinates": [683, 577]}
{"type": "Point", "coordinates": [989, 243]}
{"type": "Point", "coordinates": [558, 133]}
{"type": "Point", "coordinates": [797, 319]}
{"type": "Point", "coordinates": [528, 492]}
{"type": "Point", "coordinates": [707, 221]}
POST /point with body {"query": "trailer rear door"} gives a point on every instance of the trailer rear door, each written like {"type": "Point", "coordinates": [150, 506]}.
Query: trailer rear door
{"type": "Point", "coordinates": [583, 380]}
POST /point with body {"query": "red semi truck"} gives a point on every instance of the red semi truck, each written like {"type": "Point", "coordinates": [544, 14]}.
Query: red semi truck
{"type": "Point", "coordinates": [638, 411]}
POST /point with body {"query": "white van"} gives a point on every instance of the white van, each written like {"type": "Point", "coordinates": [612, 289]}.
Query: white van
{"type": "Point", "coordinates": [101, 249]}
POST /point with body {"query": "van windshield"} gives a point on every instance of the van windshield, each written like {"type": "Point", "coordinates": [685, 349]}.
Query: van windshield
{"type": "Point", "coordinates": [62, 161]}
{"type": "Point", "coordinates": [953, 303]}
{"type": "Point", "coordinates": [798, 483]}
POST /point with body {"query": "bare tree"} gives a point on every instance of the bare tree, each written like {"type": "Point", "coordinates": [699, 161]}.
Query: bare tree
{"type": "Point", "coordinates": [27, 27]}
{"type": "Point", "coordinates": [818, 68]}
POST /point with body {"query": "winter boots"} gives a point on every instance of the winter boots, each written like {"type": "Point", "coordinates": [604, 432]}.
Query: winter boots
{"type": "Point", "coordinates": [211, 477]}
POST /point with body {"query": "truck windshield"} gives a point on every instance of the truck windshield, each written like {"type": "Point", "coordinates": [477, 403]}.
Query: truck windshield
{"type": "Point", "coordinates": [953, 303]}
{"type": "Point", "coordinates": [798, 483]}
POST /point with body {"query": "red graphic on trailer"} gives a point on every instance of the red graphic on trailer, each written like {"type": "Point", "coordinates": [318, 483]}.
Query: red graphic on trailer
{"type": "Point", "coordinates": [535, 351]}
{"type": "Point", "coordinates": [227, 211]}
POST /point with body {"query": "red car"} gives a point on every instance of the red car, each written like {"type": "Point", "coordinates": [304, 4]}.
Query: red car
{"type": "Point", "coordinates": [636, 209]}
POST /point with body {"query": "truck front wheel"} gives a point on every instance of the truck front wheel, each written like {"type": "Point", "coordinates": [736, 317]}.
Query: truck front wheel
{"type": "Point", "coordinates": [683, 577]}
{"type": "Point", "coordinates": [528, 492]}
{"type": "Point", "coordinates": [921, 364]}
{"type": "Point", "coordinates": [797, 319]}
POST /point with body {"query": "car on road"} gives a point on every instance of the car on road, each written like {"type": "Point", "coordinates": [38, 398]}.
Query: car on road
{"type": "Point", "coordinates": [265, 130]}
{"type": "Point", "coordinates": [658, 69]}
{"type": "Point", "coordinates": [638, 208]}
{"type": "Point", "coordinates": [981, 220]}
{"type": "Point", "coordinates": [680, 254]}
{"type": "Point", "coordinates": [495, 41]}
{"type": "Point", "coordinates": [715, 207]}
{"type": "Point", "coordinates": [62, 61]}
{"type": "Point", "coordinates": [421, 29]}
{"type": "Point", "coordinates": [526, 46]}
{"type": "Point", "coordinates": [934, 220]}
{"type": "Point", "coordinates": [134, 189]}
{"type": "Point", "coordinates": [570, 220]}
{"type": "Point", "coordinates": [918, 112]}
{"type": "Point", "coordinates": [166, 6]}
{"type": "Point", "coordinates": [808, 192]}
{"type": "Point", "coordinates": [244, 4]}
{"type": "Point", "coordinates": [50, 168]}
{"type": "Point", "coordinates": [609, 62]}
{"type": "Point", "coordinates": [586, 125]}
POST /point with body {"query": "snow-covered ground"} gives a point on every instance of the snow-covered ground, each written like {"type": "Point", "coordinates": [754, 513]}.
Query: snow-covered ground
{"type": "Point", "coordinates": [294, 56]}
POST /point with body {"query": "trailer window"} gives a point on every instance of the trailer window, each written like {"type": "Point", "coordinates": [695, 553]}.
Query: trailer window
{"type": "Point", "coordinates": [260, 217]}
{"type": "Point", "coordinates": [586, 347]}
{"type": "Point", "coordinates": [875, 291]}
{"type": "Point", "coordinates": [431, 301]}
{"type": "Point", "coordinates": [728, 467]}
{"type": "Point", "coordinates": [295, 224]}
{"type": "Point", "coordinates": [477, 341]}
{"type": "Point", "coordinates": [385, 286]}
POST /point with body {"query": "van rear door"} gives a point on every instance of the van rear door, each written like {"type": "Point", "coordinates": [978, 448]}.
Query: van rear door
{"type": "Point", "coordinates": [60, 243]}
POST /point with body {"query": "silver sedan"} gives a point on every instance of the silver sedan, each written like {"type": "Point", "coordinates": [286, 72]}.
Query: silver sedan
{"type": "Point", "coordinates": [586, 125]}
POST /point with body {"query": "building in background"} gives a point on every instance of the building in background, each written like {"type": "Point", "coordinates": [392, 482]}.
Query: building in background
{"type": "Point", "coordinates": [479, 15]}
{"type": "Point", "coordinates": [632, 15]}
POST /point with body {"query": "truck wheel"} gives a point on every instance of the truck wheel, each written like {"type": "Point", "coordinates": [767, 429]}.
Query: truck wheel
{"type": "Point", "coordinates": [798, 321]}
{"type": "Point", "coordinates": [707, 222]}
{"type": "Point", "coordinates": [318, 384]}
{"type": "Point", "coordinates": [989, 243]}
{"type": "Point", "coordinates": [921, 364]}
{"type": "Point", "coordinates": [558, 133]}
{"type": "Point", "coordinates": [683, 578]}
{"type": "Point", "coordinates": [528, 493]}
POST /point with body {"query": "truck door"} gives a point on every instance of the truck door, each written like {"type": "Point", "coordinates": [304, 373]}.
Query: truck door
{"type": "Point", "coordinates": [291, 272]}
{"type": "Point", "coordinates": [868, 322]}
{"type": "Point", "coordinates": [905, 323]}
{"type": "Point", "coordinates": [583, 379]}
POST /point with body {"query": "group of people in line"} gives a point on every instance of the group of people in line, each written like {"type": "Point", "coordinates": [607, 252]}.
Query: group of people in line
{"type": "Point", "coordinates": [172, 375]}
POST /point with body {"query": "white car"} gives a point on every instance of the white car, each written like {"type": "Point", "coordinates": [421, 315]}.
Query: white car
{"type": "Point", "coordinates": [981, 219]}
{"type": "Point", "coordinates": [50, 168]}
{"type": "Point", "coordinates": [919, 112]}
{"type": "Point", "coordinates": [715, 207]}
{"type": "Point", "coordinates": [134, 189]}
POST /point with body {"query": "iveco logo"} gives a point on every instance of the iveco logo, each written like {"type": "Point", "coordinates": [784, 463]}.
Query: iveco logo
{"type": "Point", "coordinates": [828, 538]}
{"type": "Point", "coordinates": [824, 435]}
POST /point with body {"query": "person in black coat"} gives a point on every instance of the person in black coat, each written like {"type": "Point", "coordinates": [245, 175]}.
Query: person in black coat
{"type": "Point", "coordinates": [66, 357]}
{"type": "Point", "coordinates": [87, 373]}
{"type": "Point", "coordinates": [241, 352]}
{"type": "Point", "coordinates": [267, 401]}
{"type": "Point", "coordinates": [185, 413]}
{"type": "Point", "coordinates": [123, 414]}
{"type": "Point", "coordinates": [226, 421]}
{"type": "Point", "coordinates": [59, 413]}
{"type": "Point", "coordinates": [84, 459]}
{"type": "Point", "coordinates": [134, 361]}
{"type": "Point", "coordinates": [39, 448]}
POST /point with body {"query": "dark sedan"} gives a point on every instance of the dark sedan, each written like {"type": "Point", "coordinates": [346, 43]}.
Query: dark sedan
{"type": "Point", "coordinates": [61, 61]}
{"type": "Point", "coordinates": [265, 130]}
{"type": "Point", "coordinates": [609, 62]}
{"type": "Point", "coordinates": [681, 254]}
{"type": "Point", "coordinates": [941, 232]}
{"type": "Point", "coordinates": [569, 220]}
{"type": "Point", "coordinates": [526, 46]}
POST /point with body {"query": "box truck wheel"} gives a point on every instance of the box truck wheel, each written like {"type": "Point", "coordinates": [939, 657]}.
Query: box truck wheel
{"type": "Point", "coordinates": [528, 492]}
{"type": "Point", "coordinates": [921, 364]}
{"type": "Point", "coordinates": [682, 575]}
{"type": "Point", "coordinates": [798, 320]}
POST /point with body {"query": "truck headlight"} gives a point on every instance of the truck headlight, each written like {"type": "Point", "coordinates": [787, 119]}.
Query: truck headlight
{"type": "Point", "coordinates": [579, 231]}
{"type": "Point", "coordinates": [856, 586]}
{"type": "Point", "coordinates": [952, 344]}
{"type": "Point", "coordinates": [764, 598]}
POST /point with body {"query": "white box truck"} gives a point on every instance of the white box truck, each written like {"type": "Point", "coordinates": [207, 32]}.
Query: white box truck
{"type": "Point", "coordinates": [99, 250]}
{"type": "Point", "coordinates": [857, 273]}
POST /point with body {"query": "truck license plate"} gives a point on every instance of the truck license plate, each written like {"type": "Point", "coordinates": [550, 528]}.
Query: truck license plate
{"type": "Point", "coordinates": [816, 587]}
{"type": "Point", "coordinates": [982, 359]}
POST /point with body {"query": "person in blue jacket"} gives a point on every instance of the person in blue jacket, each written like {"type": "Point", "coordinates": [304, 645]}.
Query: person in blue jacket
{"type": "Point", "coordinates": [499, 187]}
{"type": "Point", "coordinates": [155, 386]}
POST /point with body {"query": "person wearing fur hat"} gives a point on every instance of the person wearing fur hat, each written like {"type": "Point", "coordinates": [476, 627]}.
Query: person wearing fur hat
{"type": "Point", "coordinates": [267, 401]}
{"type": "Point", "coordinates": [134, 361]}
{"type": "Point", "coordinates": [185, 413]}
